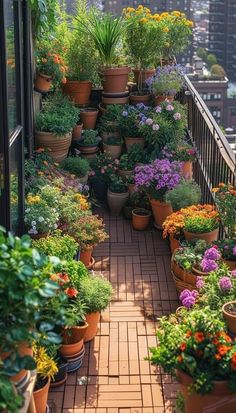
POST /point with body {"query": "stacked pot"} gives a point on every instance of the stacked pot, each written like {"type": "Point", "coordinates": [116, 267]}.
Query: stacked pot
{"type": "Point", "coordinates": [114, 81]}
{"type": "Point", "coordinates": [72, 348]}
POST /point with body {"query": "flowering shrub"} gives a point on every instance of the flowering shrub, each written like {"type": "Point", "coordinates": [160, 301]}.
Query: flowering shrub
{"type": "Point", "coordinates": [88, 231]}
{"type": "Point", "coordinates": [167, 80]}
{"type": "Point", "coordinates": [156, 178]}
{"type": "Point", "coordinates": [188, 298]}
{"type": "Point", "coordinates": [199, 346]}
{"type": "Point", "coordinates": [39, 217]}
{"type": "Point", "coordinates": [210, 260]}
{"type": "Point", "coordinates": [57, 245]}
{"type": "Point", "coordinates": [50, 63]}
{"type": "Point", "coordinates": [130, 118]}
{"type": "Point", "coordinates": [225, 197]}
{"type": "Point", "coordinates": [103, 166]}
{"type": "Point", "coordinates": [185, 153]}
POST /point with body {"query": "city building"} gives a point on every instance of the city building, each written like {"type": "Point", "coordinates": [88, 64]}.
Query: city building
{"type": "Point", "coordinates": [222, 34]}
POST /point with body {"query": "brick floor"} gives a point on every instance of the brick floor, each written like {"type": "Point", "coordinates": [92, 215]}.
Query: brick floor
{"type": "Point", "coordinates": [115, 377]}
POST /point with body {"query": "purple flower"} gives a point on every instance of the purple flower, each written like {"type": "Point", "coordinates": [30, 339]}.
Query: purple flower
{"type": "Point", "coordinates": [188, 298]}
{"type": "Point", "coordinates": [212, 254]}
{"type": "Point", "coordinates": [234, 250]}
{"type": "Point", "coordinates": [158, 109]}
{"type": "Point", "coordinates": [233, 273]}
{"type": "Point", "coordinates": [225, 283]}
{"type": "Point", "coordinates": [169, 108]}
{"type": "Point", "coordinates": [177, 116]}
{"type": "Point", "coordinates": [140, 105]}
{"type": "Point", "coordinates": [149, 121]}
{"type": "Point", "coordinates": [125, 113]}
{"type": "Point", "coordinates": [200, 283]}
{"type": "Point", "coordinates": [208, 265]}
{"type": "Point", "coordinates": [155, 126]}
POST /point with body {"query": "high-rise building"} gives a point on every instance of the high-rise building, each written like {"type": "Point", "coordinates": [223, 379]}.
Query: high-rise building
{"type": "Point", "coordinates": [222, 34]}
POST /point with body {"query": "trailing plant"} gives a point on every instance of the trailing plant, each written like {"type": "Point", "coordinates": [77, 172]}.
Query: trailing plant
{"type": "Point", "coordinates": [57, 245]}
{"type": "Point", "coordinates": [186, 193]}
{"type": "Point", "coordinates": [96, 292]}
{"type": "Point", "coordinates": [75, 165]}
{"type": "Point", "coordinates": [43, 14]}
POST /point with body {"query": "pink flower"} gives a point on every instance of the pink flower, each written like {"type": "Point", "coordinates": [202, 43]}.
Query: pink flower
{"type": "Point", "coordinates": [233, 273]}
{"type": "Point", "coordinates": [155, 126]}
{"type": "Point", "coordinates": [117, 161]}
{"type": "Point", "coordinates": [149, 121]}
{"type": "Point", "coordinates": [158, 109]}
{"type": "Point", "coordinates": [169, 108]}
{"type": "Point", "coordinates": [177, 116]}
{"type": "Point", "coordinates": [102, 171]}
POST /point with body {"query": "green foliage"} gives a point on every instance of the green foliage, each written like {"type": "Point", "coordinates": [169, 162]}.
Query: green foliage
{"type": "Point", "coordinates": [117, 184]}
{"type": "Point", "coordinates": [10, 400]}
{"type": "Point", "coordinates": [226, 247]}
{"type": "Point", "coordinates": [127, 162]}
{"type": "Point", "coordinates": [200, 225]}
{"type": "Point", "coordinates": [57, 245]}
{"type": "Point", "coordinates": [202, 53]}
{"type": "Point", "coordinates": [183, 195]}
{"type": "Point", "coordinates": [113, 140]}
{"type": "Point", "coordinates": [50, 63]}
{"type": "Point", "coordinates": [43, 16]}
{"type": "Point", "coordinates": [58, 116]}
{"type": "Point", "coordinates": [190, 255]}
{"type": "Point", "coordinates": [217, 70]}
{"type": "Point", "coordinates": [96, 292]}
{"type": "Point", "coordinates": [211, 60]}
{"type": "Point", "coordinates": [90, 137]}
{"type": "Point", "coordinates": [76, 270]}
{"type": "Point", "coordinates": [225, 198]}
{"type": "Point", "coordinates": [75, 165]}
{"type": "Point", "coordinates": [139, 199]}
{"type": "Point", "coordinates": [39, 218]}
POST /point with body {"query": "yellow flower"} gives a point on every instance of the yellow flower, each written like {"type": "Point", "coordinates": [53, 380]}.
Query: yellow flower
{"type": "Point", "coordinates": [130, 9]}
{"type": "Point", "coordinates": [140, 7]}
{"type": "Point", "coordinates": [215, 190]}
{"type": "Point", "coordinates": [164, 14]}
{"type": "Point", "coordinates": [143, 20]}
{"type": "Point", "coordinates": [189, 23]}
{"type": "Point", "coordinates": [176, 13]}
{"type": "Point", "coordinates": [147, 9]}
{"type": "Point", "coordinates": [167, 44]}
{"type": "Point", "coordinates": [166, 30]}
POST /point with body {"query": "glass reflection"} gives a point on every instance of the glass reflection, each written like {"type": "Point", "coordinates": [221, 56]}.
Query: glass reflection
{"type": "Point", "coordinates": [14, 187]}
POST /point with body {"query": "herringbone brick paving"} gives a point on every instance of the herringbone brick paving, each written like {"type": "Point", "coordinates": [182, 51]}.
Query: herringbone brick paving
{"type": "Point", "coordinates": [115, 377]}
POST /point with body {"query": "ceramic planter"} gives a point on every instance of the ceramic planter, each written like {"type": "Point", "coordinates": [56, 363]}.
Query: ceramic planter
{"type": "Point", "coordinates": [42, 83]}
{"type": "Point", "coordinates": [74, 363]}
{"type": "Point", "coordinates": [187, 170]}
{"type": "Point", "coordinates": [87, 149]}
{"type": "Point", "coordinates": [74, 334]}
{"type": "Point", "coordinates": [114, 80]}
{"type": "Point", "coordinates": [113, 150]}
{"type": "Point", "coordinates": [77, 131]}
{"type": "Point", "coordinates": [140, 75]}
{"type": "Point", "coordinates": [88, 117]}
{"type": "Point", "coordinates": [206, 236]}
{"type": "Point", "coordinates": [229, 317]}
{"type": "Point", "coordinates": [79, 91]}
{"type": "Point", "coordinates": [161, 210]}
{"type": "Point", "coordinates": [136, 98]}
{"type": "Point", "coordinates": [219, 400]}
{"type": "Point", "coordinates": [140, 218]}
{"type": "Point", "coordinates": [58, 145]}
{"type": "Point", "coordinates": [71, 350]}
{"type": "Point", "coordinates": [129, 141]}
{"type": "Point", "coordinates": [116, 201]}
{"type": "Point", "coordinates": [85, 256]}
{"type": "Point", "coordinates": [41, 397]}
{"type": "Point", "coordinates": [92, 320]}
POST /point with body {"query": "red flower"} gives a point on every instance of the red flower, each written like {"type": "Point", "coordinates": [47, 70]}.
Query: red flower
{"type": "Point", "coordinates": [64, 277]}
{"type": "Point", "coordinates": [71, 292]}
{"type": "Point", "coordinates": [183, 346]}
{"type": "Point", "coordinates": [223, 349]}
{"type": "Point", "coordinates": [189, 333]}
{"type": "Point", "coordinates": [199, 336]}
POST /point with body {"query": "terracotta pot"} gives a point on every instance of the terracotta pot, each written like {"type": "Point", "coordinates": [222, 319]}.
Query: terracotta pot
{"type": "Point", "coordinates": [70, 350]}
{"type": "Point", "coordinates": [206, 236]}
{"type": "Point", "coordinates": [23, 350]}
{"type": "Point", "coordinates": [79, 91]}
{"type": "Point", "coordinates": [85, 256]}
{"type": "Point", "coordinates": [90, 155]}
{"type": "Point", "coordinates": [92, 320]}
{"type": "Point", "coordinates": [115, 79]}
{"type": "Point", "coordinates": [41, 397]}
{"type": "Point", "coordinates": [72, 335]}
{"type": "Point", "coordinates": [76, 132]}
{"type": "Point", "coordinates": [131, 188]}
{"type": "Point", "coordinates": [182, 274]}
{"type": "Point", "coordinates": [129, 141]}
{"type": "Point", "coordinates": [116, 201]}
{"type": "Point", "coordinates": [140, 218]}
{"type": "Point", "coordinates": [125, 173]}
{"type": "Point", "coordinates": [197, 271]}
{"type": "Point", "coordinates": [231, 264]}
{"type": "Point", "coordinates": [161, 210]}
{"type": "Point", "coordinates": [115, 100]}
{"type": "Point", "coordinates": [42, 83]}
{"type": "Point", "coordinates": [102, 109]}
{"type": "Point", "coordinates": [113, 150]}
{"type": "Point", "coordinates": [106, 135]}
{"type": "Point", "coordinates": [174, 244]}
{"type": "Point", "coordinates": [61, 376]}
{"type": "Point", "coordinates": [136, 98]}
{"type": "Point", "coordinates": [187, 170]}
{"type": "Point", "coordinates": [87, 149]}
{"type": "Point", "coordinates": [88, 117]}
{"type": "Point", "coordinates": [58, 145]}
{"type": "Point", "coordinates": [141, 75]}
{"type": "Point", "coordinates": [230, 319]}
{"type": "Point", "coordinates": [219, 400]}
{"type": "Point", "coordinates": [161, 98]}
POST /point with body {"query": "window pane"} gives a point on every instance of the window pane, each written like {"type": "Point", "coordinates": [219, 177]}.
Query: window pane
{"type": "Point", "coordinates": [14, 184]}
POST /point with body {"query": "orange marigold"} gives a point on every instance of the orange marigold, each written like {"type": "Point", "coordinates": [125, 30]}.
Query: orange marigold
{"type": "Point", "coordinates": [217, 356]}
{"type": "Point", "coordinates": [199, 336]}
{"type": "Point", "coordinates": [183, 346]}
{"type": "Point", "coordinates": [222, 349]}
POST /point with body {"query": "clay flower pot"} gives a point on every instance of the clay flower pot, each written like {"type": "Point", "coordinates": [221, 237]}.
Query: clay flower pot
{"type": "Point", "coordinates": [41, 397]}
{"type": "Point", "coordinates": [125, 173]}
{"type": "Point", "coordinates": [58, 145]}
{"type": "Point", "coordinates": [92, 320]}
{"type": "Point", "coordinates": [79, 91]}
{"type": "Point", "coordinates": [136, 98]}
{"type": "Point", "coordinates": [230, 316]}
{"type": "Point", "coordinates": [42, 83]}
{"type": "Point", "coordinates": [140, 218]}
{"type": "Point", "coordinates": [116, 201]}
{"type": "Point", "coordinates": [88, 149]}
{"type": "Point", "coordinates": [77, 131]}
{"type": "Point", "coordinates": [102, 109]}
{"type": "Point", "coordinates": [106, 135]}
{"type": "Point", "coordinates": [206, 236]}
{"type": "Point", "coordinates": [88, 117]}
{"type": "Point", "coordinates": [161, 98]}
{"type": "Point", "coordinates": [71, 350]}
{"type": "Point", "coordinates": [129, 141]}
{"type": "Point", "coordinates": [161, 210]}
{"type": "Point", "coordinates": [187, 170]}
{"type": "Point", "coordinates": [85, 256]}
{"type": "Point", "coordinates": [115, 79]}
{"type": "Point", "coordinates": [61, 376]}
{"type": "Point", "coordinates": [174, 244]}
{"type": "Point", "coordinates": [115, 100]}
{"type": "Point", "coordinates": [72, 335]}
{"type": "Point", "coordinates": [113, 150]}
{"type": "Point", "coordinates": [184, 275]}
{"type": "Point", "coordinates": [140, 75]}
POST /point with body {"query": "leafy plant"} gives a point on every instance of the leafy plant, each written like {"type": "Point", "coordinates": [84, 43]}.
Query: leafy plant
{"type": "Point", "coordinates": [225, 197]}
{"type": "Point", "coordinates": [57, 245]}
{"type": "Point", "coordinates": [103, 166]}
{"type": "Point", "coordinates": [96, 292]}
{"type": "Point", "coordinates": [90, 137]}
{"type": "Point", "coordinates": [113, 140]}
{"type": "Point", "coordinates": [186, 193]}
{"type": "Point", "coordinates": [126, 162]}
{"type": "Point", "coordinates": [75, 165]}
{"type": "Point", "coordinates": [10, 400]}
{"type": "Point", "coordinates": [88, 231]}
{"type": "Point", "coordinates": [76, 270]}
{"type": "Point", "coordinates": [110, 119]}
{"type": "Point", "coordinates": [200, 225]}
{"type": "Point", "coordinates": [117, 184]}
{"type": "Point", "coordinates": [167, 80]}
{"type": "Point", "coordinates": [190, 255]}
{"type": "Point", "coordinates": [46, 366]}
{"type": "Point", "coordinates": [185, 153]}
{"type": "Point", "coordinates": [43, 14]}
{"type": "Point", "coordinates": [50, 63]}
{"type": "Point", "coordinates": [39, 217]}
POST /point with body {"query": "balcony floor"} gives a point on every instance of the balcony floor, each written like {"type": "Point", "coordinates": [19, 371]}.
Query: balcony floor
{"type": "Point", "coordinates": [115, 376]}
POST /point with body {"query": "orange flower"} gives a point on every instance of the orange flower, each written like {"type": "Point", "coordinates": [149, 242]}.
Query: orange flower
{"type": "Point", "coordinates": [189, 333]}
{"type": "Point", "coordinates": [222, 185]}
{"type": "Point", "coordinates": [54, 277]}
{"type": "Point", "coordinates": [180, 359]}
{"type": "Point", "coordinates": [62, 69]}
{"type": "Point", "coordinates": [64, 80]}
{"type": "Point", "coordinates": [183, 346]}
{"type": "Point", "coordinates": [223, 350]}
{"type": "Point", "coordinates": [215, 341]}
{"type": "Point", "coordinates": [56, 60]}
{"type": "Point", "coordinates": [71, 292]}
{"type": "Point", "coordinates": [217, 357]}
{"type": "Point", "coordinates": [199, 336]}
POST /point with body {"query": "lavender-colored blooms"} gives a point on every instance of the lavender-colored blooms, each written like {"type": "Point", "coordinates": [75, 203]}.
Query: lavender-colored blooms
{"type": "Point", "coordinates": [225, 283]}
{"type": "Point", "coordinates": [155, 127]}
{"type": "Point", "coordinates": [170, 108]}
{"type": "Point", "coordinates": [177, 116]}
{"type": "Point", "coordinates": [149, 121]}
{"type": "Point", "coordinates": [124, 113]}
{"type": "Point", "coordinates": [188, 298]}
{"type": "Point", "coordinates": [234, 250]}
{"type": "Point", "coordinates": [208, 265]}
{"type": "Point", "coordinates": [158, 109]}
{"type": "Point", "coordinates": [212, 254]}
{"type": "Point", "coordinates": [233, 273]}
{"type": "Point", "coordinates": [200, 283]}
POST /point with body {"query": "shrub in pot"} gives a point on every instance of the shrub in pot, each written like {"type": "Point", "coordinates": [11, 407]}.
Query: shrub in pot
{"type": "Point", "coordinates": [89, 142]}
{"type": "Point", "coordinates": [186, 193]}
{"type": "Point", "coordinates": [225, 198]}
{"type": "Point", "coordinates": [54, 124]}
{"type": "Point", "coordinates": [113, 146]}
{"type": "Point", "coordinates": [57, 245]}
{"type": "Point", "coordinates": [109, 122]}
{"type": "Point", "coordinates": [227, 247]}
{"type": "Point", "coordinates": [201, 228]}
{"type": "Point", "coordinates": [96, 292]}
{"type": "Point", "coordinates": [77, 166]}
{"type": "Point", "coordinates": [117, 194]}
{"type": "Point", "coordinates": [166, 82]}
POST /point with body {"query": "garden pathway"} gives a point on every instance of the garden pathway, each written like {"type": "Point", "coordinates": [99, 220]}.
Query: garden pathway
{"type": "Point", "coordinates": [115, 377]}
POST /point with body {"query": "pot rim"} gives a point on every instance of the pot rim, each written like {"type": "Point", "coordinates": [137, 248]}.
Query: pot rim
{"type": "Point", "coordinates": [88, 109]}
{"type": "Point", "coordinates": [47, 384]}
{"type": "Point", "coordinates": [118, 193]}
{"type": "Point", "coordinates": [45, 76]}
{"type": "Point", "coordinates": [135, 210]}
{"type": "Point", "coordinates": [201, 233]}
{"type": "Point", "coordinates": [79, 81]}
{"type": "Point", "coordinates": [225, 311]}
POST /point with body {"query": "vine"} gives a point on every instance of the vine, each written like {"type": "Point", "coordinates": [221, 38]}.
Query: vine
{"type": "Point", "coordinates": [43, 16]}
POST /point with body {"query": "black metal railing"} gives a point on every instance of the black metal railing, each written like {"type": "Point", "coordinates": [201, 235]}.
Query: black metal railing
{"type": "Point", "coordinates": [216, 159]}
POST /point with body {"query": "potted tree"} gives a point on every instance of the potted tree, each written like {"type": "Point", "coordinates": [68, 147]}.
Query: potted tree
{"type": "Point", "coordinates": [117, 194]}
{"type": "Point", "coordinates": [89, 142]}
{"type": "Point", "coordinates": [54, 124]}
{"type": "Point", "coordinates": [77, 166]}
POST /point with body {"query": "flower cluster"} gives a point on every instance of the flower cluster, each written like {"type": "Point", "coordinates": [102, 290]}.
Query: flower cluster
{"type": "Point", "coordinates": [227, 248]}
{"type": "Point", "coordinates": [50, 63]}
{"type": "Point", "coordinates": [210, 258]}
{"type": "Point", "coordinates": [63, 280]}
{"type": "Point", "coordinates": [188, 298]}
{"type": "Point", "coordinates": [225, 197]}
{"type": "Point", "coordinates": [39, 217]}
{"type": "Point", "coordinates": [167, 81]}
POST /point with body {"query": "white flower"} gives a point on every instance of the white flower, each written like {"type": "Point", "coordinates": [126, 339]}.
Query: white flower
{"type": "Point", "coordinates": [27, 210]}
{"type": "Point", "coordinates": [149, 121]}
{"type": "Point", "coordinates": [169, 108]}
{"type": "Point", "coordinates": [33, 223]}
{"type": "Point", "coordinates": [34, 227]}
{"type": "Point", "coordinates": [55, 226]}
{"type": "Point", "coordinates": [155, 126]}
{"type": "Point", "coordinates": [41, 219]}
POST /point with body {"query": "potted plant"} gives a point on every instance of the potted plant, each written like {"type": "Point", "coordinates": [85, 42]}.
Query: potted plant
{"type": "Point", "coordinates": [103, 166]}
{"type": "Point", "coordinates": [77, 166]}
{"type": "Point", "coordinates": [229, 313]}
{"type": "Point", "coordinates": [227, 249]}
{"type": "Point", "coordinates": [89, 142]}
{"type": "Point", "coordinates": [57, 245]}
{"type": "Point", "coordinates": [126, 165]}
{"type": "Point", "coordinates": [156, 179]}
{"type": "Point", "coordinates": [106, 31]}
{"type": "Point", "coordinates": [166, 82]}
{"type": "Point", "coordinates": [128, 123]}
{"type": "Point", "coordinates": [96, 292]}
{"type": "Point", "coordinates": [117, 194]}
{"type": "Point", "coordinates": [89, 117]}
{"type": "Point", "coordinates": [185, 194]}
{"type": "Point", "coordinates": [187, 155]}
{"type": "Point", "coordinates": [137, 199]}
{"type": "Point", "coordinates": [50, 67]}
{"type": "Point", "coordinates": [198, 350]}
{"type": "Point", "coordinates": [197, 227]}
{"type": "Point", "coordinates": [46, 370]}
{"type": "Point", "coordinates": [61, 376]}
{"type": "Point", "coordinates": [225, 198]}
{"type": "Point", "coordinates": [88, 231]}
{"type": "Point", "coordinates": [53, 126]}
{"type": "Point", "coordinates": [109, 123]}
{"type": "Point", "coordinates": [140, 218]}
{"type": "Point", "coordinates": [113, 146]}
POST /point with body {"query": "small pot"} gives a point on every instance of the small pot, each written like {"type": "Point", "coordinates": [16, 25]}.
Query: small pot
{"type": "Point", "coordinates": [61, 376]}
{"type": "Point", "coordinates": [87, 149]}
{"type": "Point", "coordinates": [41, 397]}
{"type": "Point", "coordinates": [206, 236]}
{"type": "Point", "coordinates": [136, 98]}
{"type": "Point", "coordinates": [115, 79]}
{"type": "Point", "coordinates": [88, 117]}
{"type": "Point", "coordinates": [71, 350]}
{"type": "Point", "coordinates": [115, 100]}
{"type": "Point", "coordinates": [129, 141]}
{"type": "Point", "coordinates": [230, 318]}
{"type": "Point", "coordinates": [113, 150]}
{"type": "Point", "coordinates": [160, 210]}
{"type": "Point", "coordinates": [187, 170]}
{"type": "Point", "coordinates": [74, 363]}
{"type": "Point", "coordinates": [85, 256]}
{"type": "Point", "coordinates": [140, 218]}
{"type": "Point", "coordinates": [58, 145]}
{"type": "Point", "coordinates": [161, 98]}
{"type": "Point", "coordinates": [79, 91]}
{"type": "Point", "coordinates": [92, 320]}
{"type": "Point", "coordinates": [77, 131]}
{"type": "Point", "coordinates": [42, 83]}
{"type": "Point", "coordinates": [116, 201]}
{"type": "Point", "coordinates": [72, 335]}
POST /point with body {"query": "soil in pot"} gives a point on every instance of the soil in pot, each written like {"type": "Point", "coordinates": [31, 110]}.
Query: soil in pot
{"type": "Point", "coordinates": [160, 210]}
{"type": "Point", "coordinates": [229, 313]}
{"type": "Point", "coordinates": [92, 320]}
{"type": "Point", "coordinates": [58, 145]}
{"type": "Point", "coordinates": [114, 80]}
{"type": "Point", "coordinates": [41, 395]}
{"type": "Point", "coordinates": [88, 117]}
{"type": "Point", "coordinates": [42, 83]}
{"type": "Point", "coordinates": [140, 218]}
{"type": "Point", "coordinates": [116, 201]}
{"type": "Point", "coordinates": [79, 91]}
{"type": "Point", "coordinates": [206, 236]}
